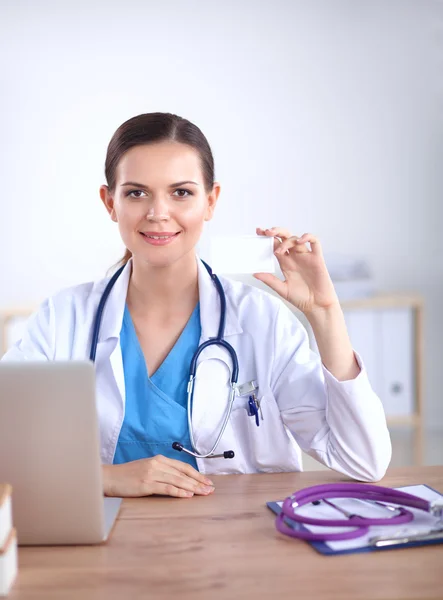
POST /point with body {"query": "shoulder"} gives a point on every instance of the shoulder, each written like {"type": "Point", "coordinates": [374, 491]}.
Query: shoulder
{"type": "Point", "coordinates": [80, 297]}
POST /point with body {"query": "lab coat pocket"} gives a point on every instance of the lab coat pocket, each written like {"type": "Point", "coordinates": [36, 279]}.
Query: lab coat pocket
{"type": "Point", "coordinates": [267, 447]}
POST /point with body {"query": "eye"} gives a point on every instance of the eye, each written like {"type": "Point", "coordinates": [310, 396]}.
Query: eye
{"type": "Point", "coordinates": [135, 193]}
{"type": "Point", "coordinates": [182, 193]}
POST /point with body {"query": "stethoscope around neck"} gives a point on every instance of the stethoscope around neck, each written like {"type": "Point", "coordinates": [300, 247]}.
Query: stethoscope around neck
{"type": "Point", "coordinates": [217, 341]}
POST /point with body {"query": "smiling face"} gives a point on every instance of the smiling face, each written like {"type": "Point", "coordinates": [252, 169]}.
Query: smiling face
{"type": "Point", "coordinates": [160, 201]}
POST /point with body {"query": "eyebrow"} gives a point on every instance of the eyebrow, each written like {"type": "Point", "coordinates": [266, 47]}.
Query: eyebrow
{"type": "Point", "coordinates": [142, 185]}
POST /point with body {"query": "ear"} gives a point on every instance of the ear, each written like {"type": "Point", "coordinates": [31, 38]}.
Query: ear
{"type": "Point", "coordinates": [108, 201]}
{"type": "Point", "coordinates": [212, 201]}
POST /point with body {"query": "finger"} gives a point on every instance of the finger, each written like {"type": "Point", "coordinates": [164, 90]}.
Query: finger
{"type": "Point", "coordinates": [262, 232]}
{"type": "Point", "coordinates": [292, 242]}
{"type": "Point", "coordinates": [185, 468]}
{"type": "Point", "coordinates": [313, 241]}
{"type": "Point", "coordinates": [280, 232]}
{"type": "Point", "coordinates": [183, 482]}
{"type": "Point", "coordinates": [166, 489]}
{"type": "Point", "coordinates": [274, 283]}
{"type": "Point", "coordinates": [159, 469]}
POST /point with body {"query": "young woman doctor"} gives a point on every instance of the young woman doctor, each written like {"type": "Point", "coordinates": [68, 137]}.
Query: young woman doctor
{"type": "Point", "coordinates": [160, 190]}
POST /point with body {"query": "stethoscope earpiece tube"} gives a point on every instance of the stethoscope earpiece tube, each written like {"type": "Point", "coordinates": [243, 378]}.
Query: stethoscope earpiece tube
{"type": "Point", "coordinates": [99, 314]}
{"type": "Point", "coordinates": [221, 293]}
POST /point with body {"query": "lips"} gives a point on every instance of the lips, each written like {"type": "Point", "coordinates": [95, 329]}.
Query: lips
{"type": "Point", "coordinates": [159, 234]}
{"type": "Point", "coordinates": [159, 238]}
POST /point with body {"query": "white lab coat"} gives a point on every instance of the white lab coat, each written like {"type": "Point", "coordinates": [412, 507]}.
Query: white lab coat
{"type": "Point", "coordinates": [342, 424]}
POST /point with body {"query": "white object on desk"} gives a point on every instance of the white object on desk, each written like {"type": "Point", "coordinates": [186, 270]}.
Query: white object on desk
{"type": "Point", "coordinates": [242, 254]}
{"type": "Point", "coordinates": [8, 563]}
{"type": "Point", "coordinates": [5, 512]}
{"type": "Point", "coordinates": [8, 541]}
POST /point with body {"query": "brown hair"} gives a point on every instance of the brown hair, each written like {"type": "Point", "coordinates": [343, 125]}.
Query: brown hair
{"type": "Point", "coordinates": [156, 127]}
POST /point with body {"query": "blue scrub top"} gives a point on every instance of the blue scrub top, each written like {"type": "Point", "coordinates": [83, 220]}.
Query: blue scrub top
{"type": "Point", "coordinates": [155, 407]}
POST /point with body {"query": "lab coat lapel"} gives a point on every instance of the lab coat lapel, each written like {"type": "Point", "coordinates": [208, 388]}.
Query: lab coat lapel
{"type": "Point", "coordinates": [210, 306]}
{"type": "Point", "coordinates": [109, 357]}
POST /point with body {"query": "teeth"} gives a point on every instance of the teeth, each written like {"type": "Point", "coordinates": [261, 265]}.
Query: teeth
{"type": "Point", "coordinates": [158, 237]}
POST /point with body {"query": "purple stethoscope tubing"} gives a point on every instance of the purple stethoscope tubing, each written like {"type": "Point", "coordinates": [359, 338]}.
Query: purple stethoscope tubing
{"type": "Point", "coordinates": [358, 525]}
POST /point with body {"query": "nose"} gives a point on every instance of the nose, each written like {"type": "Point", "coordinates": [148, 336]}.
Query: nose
{"type": "Point", "coordinates": [158, 211]}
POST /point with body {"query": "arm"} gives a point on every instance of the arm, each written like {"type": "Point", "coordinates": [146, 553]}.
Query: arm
{"type": "Point", "coordinates": [334, 345]}
{"type": "Point", "coordinates": [340, 423]}
{"type": "Point", "coordinates": [328, 404]}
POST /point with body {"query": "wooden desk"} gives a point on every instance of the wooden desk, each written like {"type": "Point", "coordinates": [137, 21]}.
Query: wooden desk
{"type": "Point", "coordinates": [226, 546]}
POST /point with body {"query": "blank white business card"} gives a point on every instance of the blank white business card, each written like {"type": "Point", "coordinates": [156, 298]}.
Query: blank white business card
{"type": "Point", "coordinates": [242, 254]}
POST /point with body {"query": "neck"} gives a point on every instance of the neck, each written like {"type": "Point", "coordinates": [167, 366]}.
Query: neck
{"type": "Point", "coordinates": [163, 289]}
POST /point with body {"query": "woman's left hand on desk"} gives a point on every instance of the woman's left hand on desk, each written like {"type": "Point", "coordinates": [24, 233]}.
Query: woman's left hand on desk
{"type": "Point", "coordinates": [307, 284]}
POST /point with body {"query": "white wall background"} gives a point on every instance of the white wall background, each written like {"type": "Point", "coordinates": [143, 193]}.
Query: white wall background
{"type": "Point", "coordinates": [324, 116]}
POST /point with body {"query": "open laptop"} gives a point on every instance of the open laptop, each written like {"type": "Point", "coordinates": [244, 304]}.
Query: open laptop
{"type": "Point", "coordinates": [49, 453]}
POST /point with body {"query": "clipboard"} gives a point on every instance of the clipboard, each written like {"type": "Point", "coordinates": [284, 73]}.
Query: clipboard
{"type": "Point", "coordinates": [421, 522]}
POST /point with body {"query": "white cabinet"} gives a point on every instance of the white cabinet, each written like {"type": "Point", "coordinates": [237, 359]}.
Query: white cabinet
{"type": "Point", "coordinates": [387, 332]}
{"type": "Point", "coordinates": [397, 364]}
{"type": "Point", "coordinates": [385, 340]}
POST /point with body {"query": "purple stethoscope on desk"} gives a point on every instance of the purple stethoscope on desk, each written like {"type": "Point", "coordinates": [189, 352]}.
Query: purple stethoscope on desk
{"type": "Point", "coordinates": [358, 525]}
